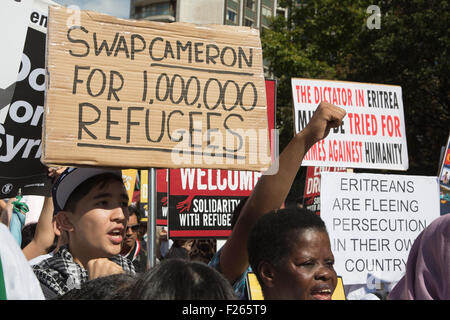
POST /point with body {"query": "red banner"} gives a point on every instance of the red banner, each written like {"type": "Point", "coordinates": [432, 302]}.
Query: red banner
{"type": "Point", "coordinates": [312, 187]}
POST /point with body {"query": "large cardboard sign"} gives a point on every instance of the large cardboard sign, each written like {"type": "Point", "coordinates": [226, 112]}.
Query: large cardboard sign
{"type": "Point", "coordinates": [373, 220]}
{"type": "Point", "coordinates": [444, 180]}
{"type": "Point", "coordinates": [373, 132]}
{"type": "Point", "coordinates": [22, 91]}
{"type": "Point", "coordinates": [152, 94]}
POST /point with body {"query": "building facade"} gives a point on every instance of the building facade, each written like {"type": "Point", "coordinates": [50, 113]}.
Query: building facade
{"type": "Point", "coordinates": [251, 13]}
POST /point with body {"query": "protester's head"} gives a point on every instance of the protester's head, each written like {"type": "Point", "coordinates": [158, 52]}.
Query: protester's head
{"type": "Point", "coordinates": [289, 251]}
{"type": "Point", "coordinates": [180, 249]}
{"type": "Point", "coordinates": [142, 231]}
{"type": "Point", "coordinates": [91, 205]}
{"type": "Point", "coordinates": [179, 279]}
{"type": "Point", "coordinates": [203, 250]}
{"type": "Point", "coordinates": [131, 234]}
{"type": "Point", "coordinates": [427, 274]}
{"type": "Point", "coordinates": [113, 287]}
{"type": "Point", "coordinates": [28, 232]}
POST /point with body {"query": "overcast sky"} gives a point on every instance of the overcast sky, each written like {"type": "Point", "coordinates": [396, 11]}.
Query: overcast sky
{"type": "Point", "coordinates": [117, 8]}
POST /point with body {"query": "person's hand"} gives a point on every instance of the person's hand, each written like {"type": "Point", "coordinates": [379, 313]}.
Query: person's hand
{"type": "Point", "coordinates": [55, 172]}
{"type": "Point", "coordinates": [326, 117]}
{"type": "Point", "coordinates": [102, 267]}
{"type": "Point", "coordinates": [20, 207]}
{"type": "Point", "coordinates": [163, 235]}
{"type": "Point", "coordinates": [7, 211]}
{"type": "Point", "coordinates": [3, 204]}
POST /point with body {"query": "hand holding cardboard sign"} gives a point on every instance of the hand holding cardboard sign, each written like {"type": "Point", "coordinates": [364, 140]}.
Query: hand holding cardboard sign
{"type": "Point", "coordinates": [55, 172]}
{"type": "Point", "coordinates": [326, 117]}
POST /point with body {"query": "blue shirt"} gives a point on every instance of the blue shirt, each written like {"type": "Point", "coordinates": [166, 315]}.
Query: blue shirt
{"type": "Point", "coordinates": [240, 285]}
{"type": "Point", "coordinates": [16, 225]}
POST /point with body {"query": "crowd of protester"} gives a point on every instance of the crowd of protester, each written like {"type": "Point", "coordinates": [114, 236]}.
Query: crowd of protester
{"type": "Point", "coordinates": [89, 243]}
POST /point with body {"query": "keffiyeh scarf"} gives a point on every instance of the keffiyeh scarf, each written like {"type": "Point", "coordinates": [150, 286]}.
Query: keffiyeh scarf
{"type": "Point", "coordinates": [61, 273]}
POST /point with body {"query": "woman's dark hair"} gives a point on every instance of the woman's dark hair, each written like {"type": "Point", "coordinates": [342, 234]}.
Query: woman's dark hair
{"type": "Point", "coordinates": [179, 279]}
{"type": "Point", "coordinates": [113, 287]}
{"type": "Point", "coordinates": [270, 239]}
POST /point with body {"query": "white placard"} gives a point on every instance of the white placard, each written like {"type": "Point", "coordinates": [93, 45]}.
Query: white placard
{"type": "Point", "coordinates": [373, 220]}
{"type": "Point", "coordinates": [373, 132]}
{"type": "Point", "coordinates": [13, 24]}
{"type": "Point", "coordinates": [14, 20]}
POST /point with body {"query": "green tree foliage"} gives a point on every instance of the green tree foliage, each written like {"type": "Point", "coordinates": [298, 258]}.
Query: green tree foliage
{"type": "Point", "coordinates": [328, 39]}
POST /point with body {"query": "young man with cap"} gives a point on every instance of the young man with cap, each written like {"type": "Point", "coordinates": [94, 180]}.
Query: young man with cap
{"type": "Point", "coordinates": [91, 205]}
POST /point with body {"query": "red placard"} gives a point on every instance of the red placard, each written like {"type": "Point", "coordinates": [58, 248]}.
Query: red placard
{"type": "Point", "coordinates": [311, 196]}
{"type": "Point", "coordinates": [162, 197]}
